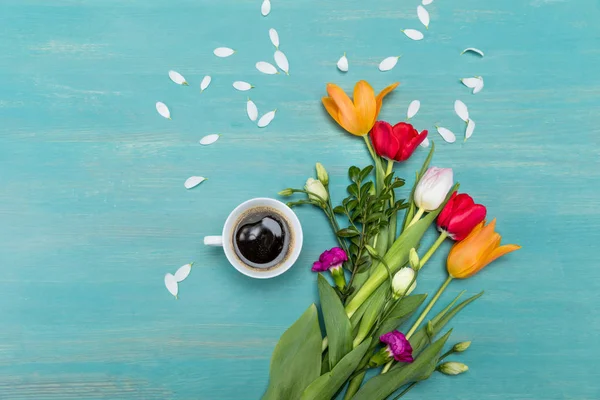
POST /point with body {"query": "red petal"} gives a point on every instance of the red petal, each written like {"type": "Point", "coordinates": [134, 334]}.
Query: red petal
{"type": "Point", "coordinates": [384, 142]}
{"type": "Point", "coordinates": [463, 222]}
{"type": "Point", "coordinates": [444, 218]}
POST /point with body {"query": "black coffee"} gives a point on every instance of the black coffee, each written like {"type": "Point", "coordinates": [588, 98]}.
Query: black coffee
{"type": "Point", "coordinates": [262, 238]}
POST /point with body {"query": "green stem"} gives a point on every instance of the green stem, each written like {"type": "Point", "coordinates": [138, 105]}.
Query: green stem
{"type": "Point", "coordinates": [417, 217]}
{"type": "Point", "coordinates": [433, 248]}
{"type": "Point", "coordinates": [390, 166]}
{"type": "Point", "coordinates": [368, 143]}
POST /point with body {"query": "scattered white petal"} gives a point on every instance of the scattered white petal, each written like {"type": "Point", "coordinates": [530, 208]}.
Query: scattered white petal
{"type": "Point", "coordinates": [252, 110]}
{"type": "Point", "coordinates": [171, 284]}
{"type": "Point", "coordinates": [471, 83]}
{"type": "Point", "coordinates": [163, 110]}
{"type": "Point", "coordinates": [242, 86]}
{"type": "Point", "coordinates": [183, 272]}
{"type": "Point", "coordinates": [413, 34]}
{"type": "Point", "coordinates": [193, 181]}
{"type": "Point", "coordinates": [472, 49]}
{"type": "Point", "coordinates": [266, 68]}
{"type": "Point", "coordinates": [265, 8]}
{"type": "Point", "coordinates": [388, 63]}
{"type": "Point", "coordinates": [274, 36]}
{"type": "Point", "coordinates": [342, 63]}
{"type": "Point", "coordinates": [223, 52]}
{"type": "Point", "coordinates": [425, 143]}
{"type": "Point", "coordinates": [479, 87]}
{"type": "Point", "coordinates": [413, 108]}
{"type": "Point", "coordinates": [282, 61]}
{"type": "Point", "coordinates": [209, 139]}
{"type": "Point", "coordinates": [427, 2]}
{"type": "Point", "coordinates": [470, 129]}
{"type": "Point", "coordinates": [446, 134]}
{"type": "Point", "coordinates": [177, 78]}
{"type": "Point", "coordinates": [461, 110]}
{"type": "Point", "coordinates": [423, 16]}
{"type": "Point", "coordinates": [205, 82]}
{"type": "Point", "coordinates": [266, 119]}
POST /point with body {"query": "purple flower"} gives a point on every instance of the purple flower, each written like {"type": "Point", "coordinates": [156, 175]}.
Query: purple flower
{"type": "Point", "coordinates": [329, 259]}
{"type": "Point", "coordinates": [398, 346]}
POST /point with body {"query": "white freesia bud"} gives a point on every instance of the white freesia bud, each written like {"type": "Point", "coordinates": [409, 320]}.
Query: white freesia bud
{"type": "Point", "coordinates": [404, 282]}
{"type": "Point", "coordinates": [322, 174]}
{"type": "Point", "coordinates": [433, 187]}
{"type": "Point", "coordinates": [315, 186]}
{"type": "Point", "coordinates": [413, 259]}
{"type": "Point", "coordinates": [460, 347]}
{"type": "Point", "coordinates": [452, 368]}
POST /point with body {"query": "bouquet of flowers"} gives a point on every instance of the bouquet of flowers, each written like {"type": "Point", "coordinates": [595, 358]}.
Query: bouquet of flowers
{"type": "Point", "coordinates": [376, 266]}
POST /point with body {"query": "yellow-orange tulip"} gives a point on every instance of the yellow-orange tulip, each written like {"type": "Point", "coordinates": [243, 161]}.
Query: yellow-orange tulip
{"type": "Point", "coordinates": [358, 116]}
{"type": "Point", "coordinates": [477, 250]}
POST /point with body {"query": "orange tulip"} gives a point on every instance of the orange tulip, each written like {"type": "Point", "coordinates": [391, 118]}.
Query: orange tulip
{"type": "Point", "coordinates": [477, 250]}
{"type": "Point", "coordinates": [358, 116]}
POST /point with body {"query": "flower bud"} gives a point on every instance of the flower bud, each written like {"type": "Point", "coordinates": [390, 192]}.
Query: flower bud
{"type": "Point", "coordinates": [322, 174]}
{"type": "Point", "coordinates": [404, 282]}
{"type": "Point", "coordinates": [433, 187]}
{"type": "Point", "coordinates": [286, 192]}
{"type": "Point", "coordinates": [460, 347]}
{"type": "Point", "coordinates": [413, 259]}
{"type": "Point", "coordinates": [315, 187]}
{"type": "Point", "coordinates": [452, 368]}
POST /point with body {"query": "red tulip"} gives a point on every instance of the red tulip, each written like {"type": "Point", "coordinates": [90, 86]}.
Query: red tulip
{"type": "Point", "coordinates": [460, 216]}
{"type": "Point", "coordinates": [396, 142]}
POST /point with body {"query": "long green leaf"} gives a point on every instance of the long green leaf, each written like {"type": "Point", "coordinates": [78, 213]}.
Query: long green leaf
{"type": "Point", "coordinates": [381, 386]}
{"type": "Point", "coordinates": [337, 324]}
{"type": "Point", "coordinates": [296, 360]}
{"type": "Point", "coordinates": [400, 313]}
{"type": "Point", "coordinates": [373, 311]}
{"type": "Point", "coordinates": [410, 213]}
{"type": "Point", "coordinates": [326, 386]}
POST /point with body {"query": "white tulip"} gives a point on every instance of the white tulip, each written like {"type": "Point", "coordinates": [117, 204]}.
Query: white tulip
{"type": "Point", "coordinates": [433, 188]}
{"type": "Point", "coordinates": [315, 187]}
{"type": "Point", "coordinates": [404, 282]}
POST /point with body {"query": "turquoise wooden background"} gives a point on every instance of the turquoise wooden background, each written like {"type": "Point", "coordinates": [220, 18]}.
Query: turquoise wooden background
{"type": "Point", "coordinates": [93, 211]}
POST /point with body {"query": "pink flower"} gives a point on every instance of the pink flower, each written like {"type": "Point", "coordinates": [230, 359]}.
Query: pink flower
{"type": "Point", "coordinates": [398, 346]}
{"type": "Point", "coordinates": [330, 259]}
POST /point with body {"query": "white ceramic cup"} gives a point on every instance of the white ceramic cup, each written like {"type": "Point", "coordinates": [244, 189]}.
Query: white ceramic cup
{"type": "Point", "coordinates": [226, 238]}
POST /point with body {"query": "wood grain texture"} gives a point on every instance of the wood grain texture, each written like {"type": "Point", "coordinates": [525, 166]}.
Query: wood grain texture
{"type": "Point", "coordinates": [93, 211]}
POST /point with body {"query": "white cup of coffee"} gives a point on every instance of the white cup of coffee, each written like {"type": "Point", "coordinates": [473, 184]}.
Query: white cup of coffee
{"type": "Point", "coordinates": [261, 238]}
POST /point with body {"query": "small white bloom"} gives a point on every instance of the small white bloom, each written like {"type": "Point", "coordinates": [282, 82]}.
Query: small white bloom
{"type": "Point", "coordinates": [433, 188]}
{"type": "Point", "coordinates": [315, 186]}
{"type": "Point", "coordinates": [453, 368]}
{"type": "Point", "coordinates": [404, 282]}
{"type": "Point", "coordinates": [322, 174]}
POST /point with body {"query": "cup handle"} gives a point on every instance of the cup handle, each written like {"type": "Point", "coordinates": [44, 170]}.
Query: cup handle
{"type": "Point", "coordinates": [213, 241]}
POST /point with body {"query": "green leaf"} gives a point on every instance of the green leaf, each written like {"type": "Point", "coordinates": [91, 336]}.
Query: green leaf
{"type": "Point", "coordinates": [352, 204]}
{"type": "Point", "coordinates": [365, 172]}
{"type": "Point", "coordinates": [339, 210]}
{"type": "Point", "coordinates": [326, 386]}
{"type": "Point", "coordinates": [364, 190]}
{"type": "Point", "coordinates": [296, 360]}
{"type": "Point", "coordinates": [400, 313]}
{"type": "Point", "coordinates": [337, 324]}
{"type": "Point", "coordinates": [348, 232]}
{"type": "Point", "coordinates": [382, 386]}
{"type": "Point", "coordinates": [373, 311]}
{"type": "Point", "coordinates": [397, 183]}
{"type": "Point", "coordinates": [353, 189]}
{"type": "Point", "coordinates": [353, 173]}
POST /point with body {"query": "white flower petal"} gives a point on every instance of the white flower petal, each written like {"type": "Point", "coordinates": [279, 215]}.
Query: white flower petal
{"type": "Point", "coordinates": [425, 143]}
{"type": "Point", "coordinates": [266, 68]}
{"type": "Point", "coordinates": [223, 52]}
{"type": "Point", "coordinates": [282, 61]}
{"type": "Point", "coordinates": [171, 284]}
{"type": "Point", "coordinates": [266, 119]}
{"type": "Point", "coordinates": [274, 36]}
{"type": "Point", "coordinates": [388, 63]}
{"type": "Point", "coordinates": [471, 83]}
{"type": "Point", "coordinates": [265, 8]}
{"type": "Point", "coordinates": [479, 87]}
{"type": "Point", "coordinates": [251, 110]}
{"type": "Point", "coordinates": [205, 82]}
{"type": "Point", "coordinates": [473, 50]}
{"type": "Point", "coordinates": [461, 110]}
{"type": "Point", "coordinates": [413, 34]}
{"type": "Point", "coordinates": [193, 181]}
{"type": "Point", "coordinates": [423, 15]}
{"type": "Point", "coordinates": [183, 272]}
{"type": "Point", "coordinates": [163, 110]}
{"type": "Point", "coordinates": [413, 108]}
{"type": "Point", "coordinates": [242, 86]}
{"type": "Point", "coordinates": [470, 129]}
{"type": "Point", "coordinates": [342, 63]}
{"type": "Point", "coordinates": [446, 134]}
{"type": "Point", "coordinates": [177, 78]}
{"type": "Point", "coordinates": [427, 2]}
{"type": "Point", "coordinates": [209, 139]}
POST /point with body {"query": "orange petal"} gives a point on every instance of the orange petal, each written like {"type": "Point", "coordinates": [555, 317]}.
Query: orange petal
{"type": "Point", "coordinates": [381, 95]}
{"type": "Point", "coordinates": [331, 108]}
{"type": "Point", "coordinates": [346, 111]}
{"type": "Point", "coordinates": [499, 252]}
{"type": "Point", "coordinates": [365, 106]}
